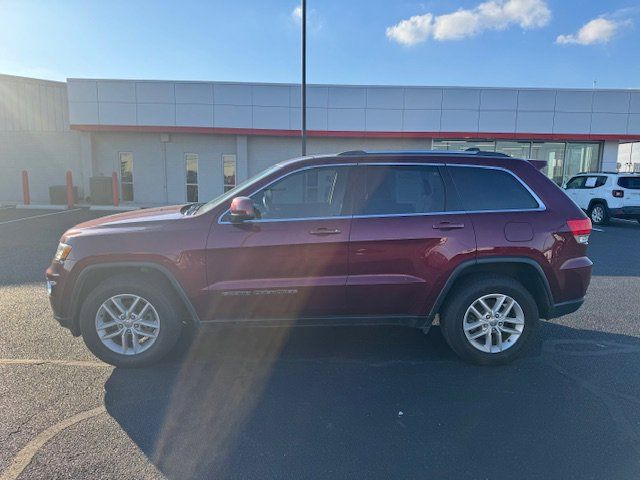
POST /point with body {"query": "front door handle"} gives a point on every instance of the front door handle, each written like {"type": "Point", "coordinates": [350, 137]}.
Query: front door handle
{"type": "Point", "coordinates": [325, 231]}
{"type": "Point", "coordinates": [447, 226]}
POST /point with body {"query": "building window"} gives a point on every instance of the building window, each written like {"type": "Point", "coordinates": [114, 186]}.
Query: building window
{"type": "Point", "coordinates": [126, 176]}
{"type": "Point", "coordinates": [443, 144]}
{"type": "Point", "coordinates": [514, 149]}
{"type": "Point", "coordinates": [229, 165]}
{"type": "Point", "coordinates": [563, 159]}
{"type": "Point", "coordinates": [191, 163]}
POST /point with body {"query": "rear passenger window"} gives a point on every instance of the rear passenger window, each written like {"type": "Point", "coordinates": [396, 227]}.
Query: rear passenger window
{"type": "Point", "coordinates": [402, 189]}
{"type": "Point", "coordinates": [632, 183]}
{"type": "Point", "coordinates": [594, 182]}
{"type": "Point", "coordinates": [490, 189]}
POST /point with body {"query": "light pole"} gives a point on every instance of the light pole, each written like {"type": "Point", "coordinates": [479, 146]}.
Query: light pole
{"type": "Point", "coordinates": [304, 77]}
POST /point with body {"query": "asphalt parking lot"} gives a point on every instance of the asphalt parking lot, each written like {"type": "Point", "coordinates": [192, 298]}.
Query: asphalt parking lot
{"type": "Point", "coordinates": [319, 402]}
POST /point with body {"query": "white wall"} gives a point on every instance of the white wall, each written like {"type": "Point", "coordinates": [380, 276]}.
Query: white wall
{"type": "Point", "coordinates": [354, 107]}
{"type": "Point", "coordinates": [610, 156]}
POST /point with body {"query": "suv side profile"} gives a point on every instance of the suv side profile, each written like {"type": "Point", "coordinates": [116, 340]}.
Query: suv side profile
{"type": "Point", "coordinates": [606, 195]}
{"type": "Point", "coordinates": [483, 241]}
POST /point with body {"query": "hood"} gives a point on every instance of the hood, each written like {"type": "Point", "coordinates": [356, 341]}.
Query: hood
{"type": "Point", "coordinates": [137, 219]}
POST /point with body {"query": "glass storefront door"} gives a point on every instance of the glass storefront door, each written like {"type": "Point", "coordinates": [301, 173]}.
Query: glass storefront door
{"type": "Point", "coordinates": [581, 157]}
{"type": "Point", "coordinates": [553, 154]}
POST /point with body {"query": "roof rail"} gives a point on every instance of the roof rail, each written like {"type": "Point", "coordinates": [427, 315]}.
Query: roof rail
{"type": "Point", "coordinates": [463, 153]}
{"type": "Point", "coordinates": [595, 173]}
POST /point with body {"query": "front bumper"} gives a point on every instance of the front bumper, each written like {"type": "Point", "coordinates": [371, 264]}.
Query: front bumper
{"type": "Point", "coordinates": [565, 308]}
{"type": "Point", "coordinates": [55, 279]}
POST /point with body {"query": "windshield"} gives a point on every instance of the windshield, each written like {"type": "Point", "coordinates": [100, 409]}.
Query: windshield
{"type": "Point", "coordinates": [211, 204]}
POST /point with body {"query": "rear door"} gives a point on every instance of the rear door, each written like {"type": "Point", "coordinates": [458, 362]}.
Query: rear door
{"type": "Point", "coordinates": [403, 240]}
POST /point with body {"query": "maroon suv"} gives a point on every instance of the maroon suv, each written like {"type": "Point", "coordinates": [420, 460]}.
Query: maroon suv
{"type": "Point", "coordinates": [484, 241]}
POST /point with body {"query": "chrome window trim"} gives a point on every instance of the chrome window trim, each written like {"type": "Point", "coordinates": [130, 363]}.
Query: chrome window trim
{"type": "Point", "coordinates": [541, 206]}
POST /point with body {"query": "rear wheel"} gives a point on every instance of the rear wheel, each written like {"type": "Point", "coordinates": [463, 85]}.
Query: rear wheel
{"type": "Point", "coordinates": [128, 321]}
{"type": "Point", "coordinates": [599, 214]}
{"type": "Point", "coordinates": [489, 319]}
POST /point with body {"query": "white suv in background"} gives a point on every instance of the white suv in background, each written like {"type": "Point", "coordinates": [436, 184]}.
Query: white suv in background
{"type": "Point", "coordinates": [604, 195]}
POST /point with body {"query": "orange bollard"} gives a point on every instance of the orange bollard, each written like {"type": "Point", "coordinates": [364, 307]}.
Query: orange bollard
{"type": "Point", "coordinates": [114, 189]}
{"type": "Point", "coordinates": [26, 196]}
{"type": "Point", "coordinates": [69, 189]}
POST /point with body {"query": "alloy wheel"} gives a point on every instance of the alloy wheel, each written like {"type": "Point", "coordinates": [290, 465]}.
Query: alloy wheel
{"type": "Point", "coordinates": [127, 324]}
{"type": "Point", "coordinates": [597, 214]}
{"type": "Point", "coordinates": [493, 323]}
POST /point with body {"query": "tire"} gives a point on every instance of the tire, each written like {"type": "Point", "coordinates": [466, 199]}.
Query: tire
{"type": "Point", "coordinates": [162, 312]}
{"type": "Point", "coordinates": [601, 213]}
{"type": "Point", "coordinates": [454, 316]}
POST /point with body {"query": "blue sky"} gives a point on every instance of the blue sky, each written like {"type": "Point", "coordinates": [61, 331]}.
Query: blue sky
{"type": "Point", "coordinates": [554, 43]}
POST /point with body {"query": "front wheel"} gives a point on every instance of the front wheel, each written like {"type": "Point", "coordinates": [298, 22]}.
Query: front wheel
{"type": "Point", "coordinates": [128, 321]}
{"type": "Point", "coordinates": [489, 319]}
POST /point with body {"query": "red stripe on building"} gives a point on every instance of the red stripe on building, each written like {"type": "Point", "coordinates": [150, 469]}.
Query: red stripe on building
{"type": "Point", "coordinates": [358, 134]}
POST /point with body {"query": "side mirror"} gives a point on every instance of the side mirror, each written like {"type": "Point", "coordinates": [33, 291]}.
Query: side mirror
{"type": "Point", "coordinates": [242, 209]}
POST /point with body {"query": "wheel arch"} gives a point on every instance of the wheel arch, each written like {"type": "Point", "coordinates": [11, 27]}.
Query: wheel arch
{"type": "Point", "coordinates": [593, 201]}
{"type": "Point", "coordinates": [526, 270]}
{"type": "Point", "coordinates": [92, 275]}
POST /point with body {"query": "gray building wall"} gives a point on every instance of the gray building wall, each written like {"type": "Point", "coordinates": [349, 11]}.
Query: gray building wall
{"type": "Point", "coordinates": [82, 125]}
{"type": "Point", "coordinates": [35, 135]}
{"type": "Point", "coordinates": [149, 154]}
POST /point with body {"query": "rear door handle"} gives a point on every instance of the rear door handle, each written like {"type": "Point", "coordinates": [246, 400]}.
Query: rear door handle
{"type": "Point", "coordinates": [447, 225]}
{"type": "Point", "coordinates": [325, 231]}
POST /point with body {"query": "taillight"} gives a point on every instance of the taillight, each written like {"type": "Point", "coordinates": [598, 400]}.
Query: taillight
{"type": "Point", "coordinates": [581, 228]}
{"type": "Point", "coordinates": [618, 193]}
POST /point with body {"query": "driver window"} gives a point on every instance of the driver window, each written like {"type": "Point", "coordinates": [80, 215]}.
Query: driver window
{"type": "Point", "coordinates": [310, 193]}
{"type": "Point", "coordinates": [575, 183]}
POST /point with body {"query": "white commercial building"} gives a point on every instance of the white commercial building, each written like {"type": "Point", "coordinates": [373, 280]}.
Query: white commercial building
{"type": "Point", "coordinates": [174, 141]}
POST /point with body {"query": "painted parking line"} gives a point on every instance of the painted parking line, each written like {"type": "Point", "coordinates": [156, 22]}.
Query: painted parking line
{"type": "Point", "coordinates": [24, 456]}
{"type": "Point", "coordinates": [39, 216]}
{"type": "Point", "coordinates": [43, 361]}
{"type": "Point", "coordinates": [596, 229]}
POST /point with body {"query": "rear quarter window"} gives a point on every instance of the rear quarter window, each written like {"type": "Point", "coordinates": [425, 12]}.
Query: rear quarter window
{"type": "Point", "coordinates": [632, 183]}
{"type": "Point", "coordinates": [491, 189]}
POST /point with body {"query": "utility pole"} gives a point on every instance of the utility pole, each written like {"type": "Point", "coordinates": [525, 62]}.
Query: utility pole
{"type": "Point", "coordinates": [304, 77]}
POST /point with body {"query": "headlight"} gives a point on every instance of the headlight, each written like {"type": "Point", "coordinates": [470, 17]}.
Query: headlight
{"type": "Point", "coordinates": [62, 252]}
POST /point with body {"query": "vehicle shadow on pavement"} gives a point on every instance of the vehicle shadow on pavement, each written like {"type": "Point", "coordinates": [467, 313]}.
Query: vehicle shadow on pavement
{"type": "Point", "coordinates": [384, 403]}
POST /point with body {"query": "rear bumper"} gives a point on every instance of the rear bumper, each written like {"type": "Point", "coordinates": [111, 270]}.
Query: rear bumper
{"type": "Point", "coordinates": [565, 308]}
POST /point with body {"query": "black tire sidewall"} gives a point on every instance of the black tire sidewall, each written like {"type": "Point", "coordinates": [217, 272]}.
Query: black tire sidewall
{"type": "Point", "coordinates": [453, 317]}
{"type": "Point", "coordinates": [169, 322]}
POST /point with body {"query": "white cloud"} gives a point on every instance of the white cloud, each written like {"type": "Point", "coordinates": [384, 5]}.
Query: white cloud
{"type": "Point", "coordinates": [296, 14]}
{"type": "Point", "coordinates": [413, 30]}
{"type": "Point", "coordinates": [463, 23]}
{"type": "Point", "coordinates": [598, 30]}
{"type": "Point", "coordinates": [314, 23]}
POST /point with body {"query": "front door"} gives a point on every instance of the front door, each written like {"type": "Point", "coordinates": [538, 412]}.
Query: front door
{"type": "Point", "coordinates": [403, 241]}
{"type": "Point", "coordinates": [291, 261]}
